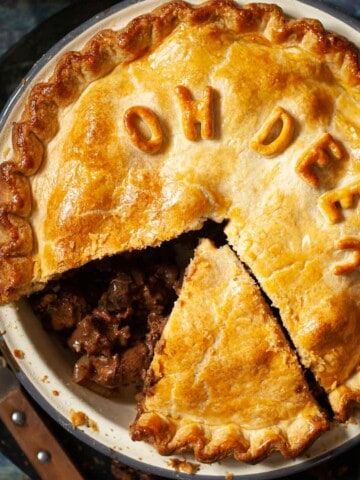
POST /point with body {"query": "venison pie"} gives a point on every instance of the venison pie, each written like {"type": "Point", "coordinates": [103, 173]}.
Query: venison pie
{"type": "Point", "coordinates": [218, 112]}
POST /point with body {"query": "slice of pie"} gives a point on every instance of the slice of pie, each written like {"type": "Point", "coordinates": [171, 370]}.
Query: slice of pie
{"type": "Point", "coordinates": [216, 111]}
{"type": "Point", "coordinates": [224, 380]}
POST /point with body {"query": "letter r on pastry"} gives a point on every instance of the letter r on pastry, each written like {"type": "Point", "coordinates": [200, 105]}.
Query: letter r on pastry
{"type": "Point", "coordinates": [263, 142]}
{"type": "Point", "coordinates": [194, 112]}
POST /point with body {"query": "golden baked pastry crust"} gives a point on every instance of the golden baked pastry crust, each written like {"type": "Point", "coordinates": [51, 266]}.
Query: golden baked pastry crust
{"type": "Point", "coordinates": [224, 380]}
{"type": "Point", "coordinates": [249, 116]}
{"type": "Point", "coordinates": [76, 70]}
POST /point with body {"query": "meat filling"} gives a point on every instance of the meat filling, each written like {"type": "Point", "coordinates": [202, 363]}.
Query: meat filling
{"type": "Point", "coordinates": [114, 322]}
{"type": "Point", "coordinates": [112, 312]}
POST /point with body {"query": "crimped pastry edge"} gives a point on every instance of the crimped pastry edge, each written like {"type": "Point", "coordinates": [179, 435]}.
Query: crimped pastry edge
{"type": "Point", "coordinates": [344, 397]}
{"type": "Point", "coordinates": [214, 443]}
{"type": "Point", "coordinates": [76, 70]}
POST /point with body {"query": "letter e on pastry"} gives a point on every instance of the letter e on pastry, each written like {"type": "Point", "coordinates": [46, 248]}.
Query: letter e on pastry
{"type": "Point", "coordinates": [318, 153]}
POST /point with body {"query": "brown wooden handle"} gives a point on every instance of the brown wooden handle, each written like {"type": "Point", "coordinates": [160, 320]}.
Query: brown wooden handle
{"type": "Point", "coordinates": [34, 437]}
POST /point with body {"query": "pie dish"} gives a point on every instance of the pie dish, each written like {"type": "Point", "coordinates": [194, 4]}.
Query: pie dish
{"type": "Point", "coordinates": [275, 160]}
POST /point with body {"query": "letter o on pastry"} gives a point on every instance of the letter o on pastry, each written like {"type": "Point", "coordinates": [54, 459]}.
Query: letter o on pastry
{"type": "Point", "coordinates": [132, 118]}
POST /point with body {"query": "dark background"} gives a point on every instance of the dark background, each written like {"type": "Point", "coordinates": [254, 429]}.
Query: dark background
{"type": "Point", "coordinates": [28, 28]}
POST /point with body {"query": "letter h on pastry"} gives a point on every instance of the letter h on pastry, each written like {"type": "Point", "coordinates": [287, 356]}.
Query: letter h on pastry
{"type": "Point", "coordinates": [195, 112]}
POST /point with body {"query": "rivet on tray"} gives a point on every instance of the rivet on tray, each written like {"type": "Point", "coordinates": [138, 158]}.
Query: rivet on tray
{"type": "Point", "coordinates": [43, 456]}
{"type": "Point", "coordinates": [18, 418]}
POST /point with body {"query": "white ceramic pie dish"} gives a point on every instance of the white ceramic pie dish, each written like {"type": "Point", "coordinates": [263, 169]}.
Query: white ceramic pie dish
{"type": "Point", "coordinates": [46, 367]}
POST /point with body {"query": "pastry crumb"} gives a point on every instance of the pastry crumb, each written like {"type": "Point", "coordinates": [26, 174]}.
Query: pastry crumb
{"type": "Point", "coordinates": [183, 466]}
{"type": "Point", "coordinates": [79, 418]}
{"type": "Point", "coordinates": [229, 476]}
{"type": "Point", "coordinates": [55, 393]}
{"type": "Point", "coordinates": [19, 354]}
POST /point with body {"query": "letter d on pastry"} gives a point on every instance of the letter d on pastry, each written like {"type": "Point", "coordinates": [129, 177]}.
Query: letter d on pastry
{"type": "Point", "coordinates": [263, 142]}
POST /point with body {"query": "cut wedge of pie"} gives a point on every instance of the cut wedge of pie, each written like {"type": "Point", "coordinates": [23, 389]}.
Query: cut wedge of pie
{"type": "Point", "coordinates": [224, 380]}
{"type": "Point", "coordinates": [218, 111]}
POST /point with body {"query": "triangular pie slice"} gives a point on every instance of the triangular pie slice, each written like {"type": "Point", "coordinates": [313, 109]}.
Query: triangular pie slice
{"type": "Point", "coordinates": [224, 380]}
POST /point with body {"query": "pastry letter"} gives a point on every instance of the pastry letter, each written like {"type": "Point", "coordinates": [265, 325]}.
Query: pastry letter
{"type": "Point", "coordinates": [263, 142]}
{"type": "Point", "coordinates": [342, 196]}
{"type": "Point", "coordinates": [348, 243]}
{"type": "Point", "coordinates": [194, 112]}
{"type": "Point", "coordinates": [132, 118]}
{"type": "Point", "coordinates": [320, 153]}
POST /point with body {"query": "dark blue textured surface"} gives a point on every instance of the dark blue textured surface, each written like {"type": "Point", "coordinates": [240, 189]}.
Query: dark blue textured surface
{"type": "Point", "coordinates": [8, 471]}
{"type": "Point", "coordinates": [18, 17]}
{"type": "Point", "coordinates": [35, 19]}
{"type": "Point", "coordinates": [350, 6]}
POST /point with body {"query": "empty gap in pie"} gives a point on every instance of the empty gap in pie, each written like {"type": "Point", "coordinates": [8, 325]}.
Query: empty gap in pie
{"type": "Point", "coordinates": [316, 389]}
{"type": "Point", "coordinates": [318, 392]}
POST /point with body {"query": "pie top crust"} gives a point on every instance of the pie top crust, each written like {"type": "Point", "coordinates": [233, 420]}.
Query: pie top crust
{"type": "Point", "coordinates": [224, 380]}
{"type": "Point", "coordinates": [67, 121]}
{"type": "Point", "coordinates": [215, 111]}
